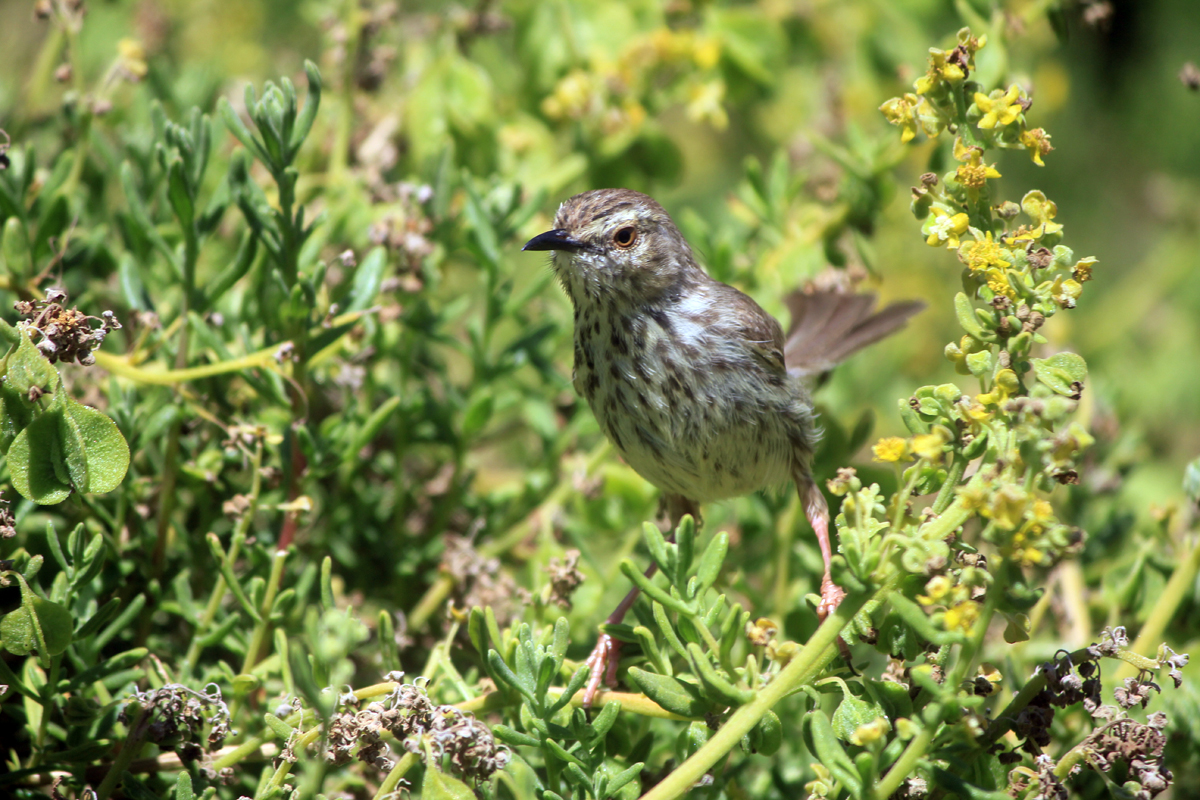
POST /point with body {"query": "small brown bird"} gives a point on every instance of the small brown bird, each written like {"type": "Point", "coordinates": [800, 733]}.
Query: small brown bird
{"type": "Point", "coordinates": [695, 384]}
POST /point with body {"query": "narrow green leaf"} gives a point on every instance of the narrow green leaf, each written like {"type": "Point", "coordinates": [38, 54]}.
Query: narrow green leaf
{"type": "Point", "coordinates": [669, 693]}
{"type": "Point", "coordinates": [183, 786]}
{"type": "Point", "coordinates": [711, 560]}
{"type": "Point", "coordinates": [715, 682]}
{"type": "Point", "coordinates": [368, 277]}
{"type": "Point", "coordinates": [646, 585]}
{"type": "Point", "coordinates": [102, 615]}
{"type": "Point", "coordinates": [312, 103]}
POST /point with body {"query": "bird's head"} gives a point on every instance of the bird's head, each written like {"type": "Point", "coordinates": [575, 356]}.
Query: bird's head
{"type": "Point", "coordinates": [616, 241]}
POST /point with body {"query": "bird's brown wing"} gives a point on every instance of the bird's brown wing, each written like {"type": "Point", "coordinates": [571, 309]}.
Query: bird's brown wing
{"type": "Point", "coordinates": [758, 331]}
{"type": "Point", "coordinates": [828, 325]}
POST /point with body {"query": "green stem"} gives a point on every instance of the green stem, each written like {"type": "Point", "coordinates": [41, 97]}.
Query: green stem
{"type": "Point", "coordinates": [344, 126]}
{"type": "Point", "coordinates": [784, 537]}
{"type": "Point", "coordinates": [70, 186]}
{"type": "Point", "coordinates": [953, 479]}
{"type": "Point", "coordinates": [38, 96]}
{"type": "Point", "coordinates": [49, 692]}
{"type": "Point", "coordinates": [264, 622]}
{"type": "Point", "coordinates": [240, 752]}
{"type": "Point", "coordinates": [816, 655]}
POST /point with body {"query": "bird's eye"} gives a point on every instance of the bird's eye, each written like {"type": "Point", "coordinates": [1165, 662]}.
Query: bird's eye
{"type": "Point", "coordinates": [625, 237]}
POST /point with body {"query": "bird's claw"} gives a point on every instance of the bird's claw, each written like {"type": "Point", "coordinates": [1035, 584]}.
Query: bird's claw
{"type": "Point", "coordinates": [831, 597]}
{"type": "Point", "coordinates": [603, 665]}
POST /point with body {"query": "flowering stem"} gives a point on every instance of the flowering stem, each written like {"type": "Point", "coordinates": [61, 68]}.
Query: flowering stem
{"type": "Point", "coordinates": [918, 748]}
{"type": "Point", "coordinates": [264, 622]}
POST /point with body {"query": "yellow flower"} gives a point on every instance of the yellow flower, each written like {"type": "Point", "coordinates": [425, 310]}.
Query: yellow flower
{"type": "Point", "coordinates": [1006, 386]}
{"type": "Point", "coordinates": [1008, 506]}
{"type": "Point", "coordinates": [984, 254]}
{"type": "Point", "coordinates": [1065, 293]}
{"type": "Point", "coordinates": [1000, 109]}
{"type": "Point", "coordinates": [704, 104]}
{"type": "Point", "coordinates": [873, 731]}
{"type": "Point", "coordinates": [1043, 210]}
{"type": "Point", "coordinates": [973, 173]}
{"type": "Point", "coordinates": [936, 589]}
{"type": "Point", "coordinates": [945, 228]}
{"type": "Point", "coordinates": [977, 413]}
{"type": "Point", "coordinates": [131, 59]}
{"type": "Point", "coordinates": [1083, 269]}
{"type": "Point", "coordinates": [1043, 512]}
{"type": "Point", "coordinates": [891, 449]}
{"type": "Point", "coordinates": [572, 97]}
{"type": "Point", "coordinates": [901, 111]}
{"type": "Point", "coordinates": [929, 445]}
{"type": "Point", "coordinates": [998, 282]}
{"type": "Point", "coordinates": [940, 69]}
{"type": "Point", "coordinates": [962, 616]}
{"type": "Point", "coordinates": [1037, 142]}
{"type": "Point", "coordinates": [706, 52]}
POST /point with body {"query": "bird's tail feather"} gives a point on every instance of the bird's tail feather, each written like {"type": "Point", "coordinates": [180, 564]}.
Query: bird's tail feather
{"type": "Point", "coordinates": [828, 325]}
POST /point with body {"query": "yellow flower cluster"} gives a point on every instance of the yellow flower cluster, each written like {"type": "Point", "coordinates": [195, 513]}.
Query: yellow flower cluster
{"type": "Point", "coordinates": [893, 449]}
{"type": "Point", "coordinates": [983, 255]}
{"type": "Point", "coordinates": [937, 102]}
{"type": "Point", "coordinates": [973, 173]}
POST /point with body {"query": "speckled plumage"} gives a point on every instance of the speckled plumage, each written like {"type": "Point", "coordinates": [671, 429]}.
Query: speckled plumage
{"type": "Point", "coordinates": [684, 374]}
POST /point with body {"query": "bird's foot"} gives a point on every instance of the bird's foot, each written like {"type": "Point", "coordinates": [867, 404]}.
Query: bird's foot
{"type": "Point", "coordinates": [603, 665]}
{"type": "Point", "coordinates": [831, 597]}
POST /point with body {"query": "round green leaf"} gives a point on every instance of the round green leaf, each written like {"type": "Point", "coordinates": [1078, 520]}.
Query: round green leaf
{"type": "Point", "coordinates": [97, 455]}
{"type": "Point", "coordinates": [34, 458]}
{"type": "Point", "coordinates": [1060, 372]}
{"type": "Point", "coordinates": [19, 628]}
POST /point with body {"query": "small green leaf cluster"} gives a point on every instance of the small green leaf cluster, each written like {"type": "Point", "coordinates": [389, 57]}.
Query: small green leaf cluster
{"type": "Point", "coordinates": [69, 673]}
{"type": "Point", "coordinates": [574, 750]}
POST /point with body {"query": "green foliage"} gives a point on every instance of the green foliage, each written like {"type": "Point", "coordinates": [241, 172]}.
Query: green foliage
{"type": "Point", "coordinates": [339, 525]}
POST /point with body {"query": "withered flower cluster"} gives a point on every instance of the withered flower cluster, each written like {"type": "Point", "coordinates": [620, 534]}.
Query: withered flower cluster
{"type": "Point", "coordinates": [66, 334]}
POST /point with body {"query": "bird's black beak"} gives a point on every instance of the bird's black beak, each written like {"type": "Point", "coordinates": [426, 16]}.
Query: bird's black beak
{"type": "Point", "coordinates": [553, 240]}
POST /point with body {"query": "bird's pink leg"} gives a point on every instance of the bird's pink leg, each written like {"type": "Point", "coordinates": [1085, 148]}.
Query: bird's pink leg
{"type": "Point", "coordinates": [817, 512]}
{"type": "Point", "coordinates": [606, 655]}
